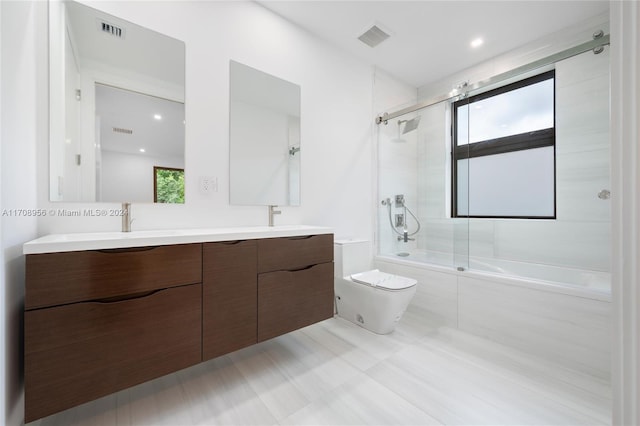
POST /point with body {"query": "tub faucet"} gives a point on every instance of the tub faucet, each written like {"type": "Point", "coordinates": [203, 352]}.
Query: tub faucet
{"type": "Point", "coordinates": [126, 217]}
{"type": "Point", "coordinates": [405, 236]}
{"type": "Point", "coordinates": [272, 212]}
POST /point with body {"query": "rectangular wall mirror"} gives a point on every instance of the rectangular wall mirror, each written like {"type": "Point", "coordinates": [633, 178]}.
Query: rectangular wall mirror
{"type": "Point", "coordinates": [117, 112]}
{"type": "Point", "coordinates": [264, 138]}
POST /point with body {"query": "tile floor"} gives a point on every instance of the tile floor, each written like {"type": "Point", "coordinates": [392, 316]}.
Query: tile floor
{"type": "Point", "coordinates": [335, 373]}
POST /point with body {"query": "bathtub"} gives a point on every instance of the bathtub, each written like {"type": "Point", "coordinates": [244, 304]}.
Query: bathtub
{"type": "Point", "coordinates": [560, 314]}
{"type": "Point", "coordinates": [584, 283]}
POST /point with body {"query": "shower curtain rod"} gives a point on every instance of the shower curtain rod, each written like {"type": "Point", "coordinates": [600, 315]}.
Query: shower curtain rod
{"type": "Point", "coordinates": [597, 45]}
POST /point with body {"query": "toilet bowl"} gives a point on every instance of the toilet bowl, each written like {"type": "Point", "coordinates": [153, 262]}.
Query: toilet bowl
{"type": "Point", "coordinates": [372, 299]}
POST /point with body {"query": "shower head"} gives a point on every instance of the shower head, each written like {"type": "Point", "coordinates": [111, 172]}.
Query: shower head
{"type": "Point", "coordinates": [409, 125]}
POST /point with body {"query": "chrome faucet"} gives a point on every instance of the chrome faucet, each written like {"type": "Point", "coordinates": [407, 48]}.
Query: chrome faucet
{"type": "Point", "coordinates": [405, 237]}
{"type": "Point", "coordinates": [272, 212]}
{"type": "Point", "coordinates": [126, 217]}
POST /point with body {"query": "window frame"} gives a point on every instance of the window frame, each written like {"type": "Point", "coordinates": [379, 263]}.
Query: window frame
{"type": "Point", "coordinates": [519, 142]}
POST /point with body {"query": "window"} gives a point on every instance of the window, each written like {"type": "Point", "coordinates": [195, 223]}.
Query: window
{"type": "Point", "coordinates": [503, 151]}
{"type": "Point", "coordinates": [168, 185]}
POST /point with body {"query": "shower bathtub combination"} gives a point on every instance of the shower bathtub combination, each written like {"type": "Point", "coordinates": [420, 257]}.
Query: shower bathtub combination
{"type": "Point", "coordinates": [504, 220]}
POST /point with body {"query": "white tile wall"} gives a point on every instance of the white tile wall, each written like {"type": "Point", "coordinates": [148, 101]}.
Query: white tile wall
{"type": "Point", "coordinates": [570, 330]}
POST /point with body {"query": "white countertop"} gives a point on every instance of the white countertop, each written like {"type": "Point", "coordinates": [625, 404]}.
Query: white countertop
{"type": "Point", "coordinates": [109, 240]}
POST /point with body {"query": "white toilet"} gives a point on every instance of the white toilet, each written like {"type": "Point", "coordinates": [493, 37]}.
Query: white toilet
{"type": "Point", "coordinates": [369, 298]}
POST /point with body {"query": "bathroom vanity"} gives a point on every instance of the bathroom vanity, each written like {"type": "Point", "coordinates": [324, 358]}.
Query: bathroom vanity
{"type": "Point", "coordinates": [107, 311]}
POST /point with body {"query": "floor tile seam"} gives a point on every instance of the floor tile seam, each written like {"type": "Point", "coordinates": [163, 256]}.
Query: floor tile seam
{"type": "Point", "coordinates": [515, 353]}
{"type": "Point", "coordinates": [346, 359]}
{"type": "Point", "coordinates": [310, 404]}
{"type": "Point", "coordinates": [226, 383]}
{"type": "Point", "coordinates": [491, 402]}
{"type": "Point", "coordinates": [298, 387]}
{"type": "Point", "coordinates": [367, 373]}
{"type": "Point", "coordinates": [453, 350]}
{"type": "Point", "coordinates": [525, 384]}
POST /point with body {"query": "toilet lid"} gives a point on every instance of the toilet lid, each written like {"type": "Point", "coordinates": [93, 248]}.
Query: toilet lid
{"type": "Point", "coordinates": [375, 278]}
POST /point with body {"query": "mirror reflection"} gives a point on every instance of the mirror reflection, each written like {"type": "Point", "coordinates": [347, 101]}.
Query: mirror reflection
{"type": "Point", "coordinates": [264, 128]}
{"type": "Point", "coordinates": [117, 109]}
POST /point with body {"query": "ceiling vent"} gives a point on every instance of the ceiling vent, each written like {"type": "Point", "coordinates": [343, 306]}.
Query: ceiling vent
{"type": "Point", "coordinates": [121, 130]}
{"type": "Point", "coordinates": [111, 29]}
{"type": "Point", "coordinates": [373, 36]}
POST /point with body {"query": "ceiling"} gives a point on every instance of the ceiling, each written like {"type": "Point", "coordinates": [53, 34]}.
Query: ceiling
{"type": "Point", "coordinates": [139, 51]}
{"type": "Point", "coordinates": [131, 111]}
{"type": "Point", "coordinates": [136, 57]}
{"type": "Point", "coordinates": [431, 39]}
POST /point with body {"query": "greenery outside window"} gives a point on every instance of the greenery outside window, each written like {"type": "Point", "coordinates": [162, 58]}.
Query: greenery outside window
{"type": "Point", "coordinates": [503, 151]}
{"type": "Point", "coordinates": [168, 185]}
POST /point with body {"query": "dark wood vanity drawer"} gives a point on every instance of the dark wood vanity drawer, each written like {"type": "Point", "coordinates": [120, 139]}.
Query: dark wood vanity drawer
{"type": "Point", "coordinates": [59, 278]}
{"type": "Point", "coordinates": [79, 352]}
{"type": "Point", "coordinates": [229, 297]}
{"type": "Point", "coordinates": [289, 300]}
{"type": "Point", "coordinates": [281, 254]}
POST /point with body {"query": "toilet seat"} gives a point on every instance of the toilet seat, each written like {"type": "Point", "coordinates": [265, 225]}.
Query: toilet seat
{"type": "Point", "coordinates": [383, 280]}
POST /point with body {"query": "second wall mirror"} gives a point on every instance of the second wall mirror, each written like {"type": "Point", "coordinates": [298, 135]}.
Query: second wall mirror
{"type": "Point", "coordinates": [264, 140]}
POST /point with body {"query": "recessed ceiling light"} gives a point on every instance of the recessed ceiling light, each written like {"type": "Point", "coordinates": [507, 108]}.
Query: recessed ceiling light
{"type": "Point", "coordinates": [476, 42]}
{"type": "Point", "coordinates": [157, 116]}
{"type": "Point", "coordinates": [142, 150]}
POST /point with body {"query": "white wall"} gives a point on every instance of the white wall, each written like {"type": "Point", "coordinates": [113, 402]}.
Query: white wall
{"type": "Point", "coordinates": [625, 160]}
{"type": "Point", "coordinates": [336, 119]}
{"type": "Point", "coordinates": [130, 176]}
{"type": "Point", "coordinates": [24, 123]}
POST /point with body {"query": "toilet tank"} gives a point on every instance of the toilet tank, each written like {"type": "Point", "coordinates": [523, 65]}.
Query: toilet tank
{"type": "Point", "coordinates": [351, 256]}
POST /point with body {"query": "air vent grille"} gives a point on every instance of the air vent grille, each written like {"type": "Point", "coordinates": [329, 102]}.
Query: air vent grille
{"type": "Point", "coordinates": [111, 29]}
{"type": "Point", "coordinates": [373, 36]}
{"type": "Point", "coordinates": [121, 130]}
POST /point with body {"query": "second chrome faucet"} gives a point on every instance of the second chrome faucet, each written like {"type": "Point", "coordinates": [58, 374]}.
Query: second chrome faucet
{"type": "Point", "coordinates": [272, 212]}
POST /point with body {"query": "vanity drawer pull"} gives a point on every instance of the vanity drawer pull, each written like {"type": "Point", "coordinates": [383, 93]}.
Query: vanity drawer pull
{"type": "Point", "coordinates": [127, 249]}
{"type": "Point", "coordinates": [79, 352]}
{"type": "Point", "coordinates": [288, 300]}
{"type": "Point", "coordinates": [303, 268]}
{"type": "Point", "coordinates": [116, 299]}
{"type": "Point", "coordinates": [54, 279]}
{"type": "Point", "coordinates": [290, 253]}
